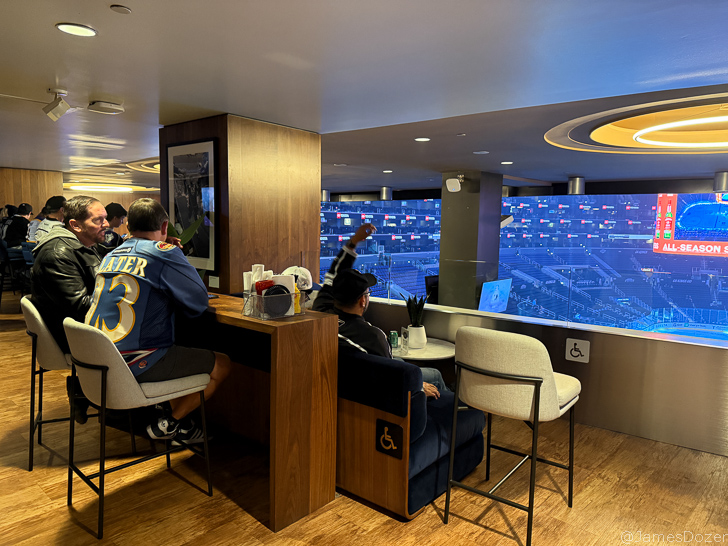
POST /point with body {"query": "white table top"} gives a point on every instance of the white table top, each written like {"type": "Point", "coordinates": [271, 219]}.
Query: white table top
{"type": "Point", "coordinates": [436, 349]}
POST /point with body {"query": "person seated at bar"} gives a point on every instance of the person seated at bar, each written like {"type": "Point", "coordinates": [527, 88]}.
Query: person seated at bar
{"type": "Point", "coordinates": [115, 215]}
{"type": "Point", "coordinates": [54, 217]}
{"type": "Point", "coordinates": [139, 286]}
{"type": "Point", "coordinates": [346, 293]}
{"type": "Point", "coordinates": [16, 229]}
{"type": "Point", "coordinates": [34, 223]}
{"type": "Point", "coordinates": [64, 270]}
{"type": "Point", "coordinates": [8, 212]}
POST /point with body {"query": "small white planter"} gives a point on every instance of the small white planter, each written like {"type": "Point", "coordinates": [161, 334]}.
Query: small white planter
{"type": "Point", "coordinates": [417, 337]}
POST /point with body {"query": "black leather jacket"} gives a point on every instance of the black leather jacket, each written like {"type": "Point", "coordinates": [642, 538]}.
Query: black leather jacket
{"type": "Point", "coordinates": [62, 280]}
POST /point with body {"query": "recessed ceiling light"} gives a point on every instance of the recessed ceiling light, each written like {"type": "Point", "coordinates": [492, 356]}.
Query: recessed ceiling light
{"type": "Point", "coordinates": [481, 152]}
{"type": "Point", "coordinates": [387, 172]}
{"type": "Point", "coordinates": [506, 162]}
{"type": "Point", "coordinates": [341, 164]}
{"type": "Point", "coordinates": [118, 8]}
{"type": "Point", "coordinates": [76, 29]}
{"type": "Point", "coordinates": [422, 139]}
{"type": "Point", "coordinates": [638, 136]}
{"type": "Point", "coordinates": [461, 134]}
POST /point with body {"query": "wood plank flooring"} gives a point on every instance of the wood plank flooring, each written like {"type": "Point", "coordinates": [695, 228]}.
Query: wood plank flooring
{"type": "Point", "coordinates": [623, 484]}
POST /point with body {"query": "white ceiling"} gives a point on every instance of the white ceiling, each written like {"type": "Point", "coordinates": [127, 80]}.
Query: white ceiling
{"type": "Point", "coordinates": [504, 72]}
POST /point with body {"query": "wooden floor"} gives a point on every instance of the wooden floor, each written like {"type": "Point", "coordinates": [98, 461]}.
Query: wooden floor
{"type": "Point", "coordinates": [623, 485]}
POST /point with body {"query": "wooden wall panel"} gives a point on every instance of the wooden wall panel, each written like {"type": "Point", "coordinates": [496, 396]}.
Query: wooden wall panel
{"type": "Point", "coordinates": [269, 198]}
{"type": "Point", "coordinates": [275, 187]}
{"type": "Point", "coordinates": [25, 186]}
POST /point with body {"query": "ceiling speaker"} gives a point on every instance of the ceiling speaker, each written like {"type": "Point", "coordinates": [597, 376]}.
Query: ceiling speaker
{"type": "Point", "coordinates": [452, 184]}
{"type": "Point", "coordinates": [102, 107]}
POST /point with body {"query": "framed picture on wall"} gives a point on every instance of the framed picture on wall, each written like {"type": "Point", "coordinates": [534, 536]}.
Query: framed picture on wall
{"type": "Point", "coordinates": [191, 171]}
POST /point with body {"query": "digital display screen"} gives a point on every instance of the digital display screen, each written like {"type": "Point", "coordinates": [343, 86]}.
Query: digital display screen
{"type": "Point", "coordinates": [692, 224]}
{"type": "Point", "coordinates": [494, 296]}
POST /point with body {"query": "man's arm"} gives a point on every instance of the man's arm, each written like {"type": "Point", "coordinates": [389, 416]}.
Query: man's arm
{"type": "Point", "coordinates": [344, 260]}
{"type": "Point", "coordinates": [63, 284]}
{"type": "Point", "coordinates": [183, 284]}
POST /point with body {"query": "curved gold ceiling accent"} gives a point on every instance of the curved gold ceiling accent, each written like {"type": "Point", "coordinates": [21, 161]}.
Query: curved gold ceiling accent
{"type": "Point", "coordinates": [672, 128]}
{"type": "Point", "coordinates": [150, 165]}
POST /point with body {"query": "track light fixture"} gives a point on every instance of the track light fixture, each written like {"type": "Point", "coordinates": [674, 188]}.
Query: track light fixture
{"type": "Point", "coordinates": [58, 107]}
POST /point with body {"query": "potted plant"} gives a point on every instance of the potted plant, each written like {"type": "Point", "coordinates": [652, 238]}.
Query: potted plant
{"type": "Point", "coordinates": [417, 335]}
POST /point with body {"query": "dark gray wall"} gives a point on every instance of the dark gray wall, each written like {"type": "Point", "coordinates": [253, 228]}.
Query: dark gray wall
{"type": "Point", "coordinates": [470, 237]}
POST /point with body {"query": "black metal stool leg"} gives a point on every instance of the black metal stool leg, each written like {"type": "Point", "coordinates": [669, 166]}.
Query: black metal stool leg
{"type": "Point", "coordinates": [102, 453]}
{"type": "Point", "coordinates": [571, 456]}
{"type": "Point", "coordinates": [453, 436]}
{"type": "Point", "coordinates": [204, 437]}
{"type": "Point", "coordinates": [41, 372]}
{"type": "Point", "coordinates": [534, 458]}
{"type": "Point", "coordinates": [71, 436]}
{"type": "Point", "coordinates": [31, 436]}
{"type": "Point", "coordinates": [489, 424]}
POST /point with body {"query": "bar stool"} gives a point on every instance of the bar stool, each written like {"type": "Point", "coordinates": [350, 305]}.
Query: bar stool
{"type": "Point", "coordinates": [511, 375]}
{"type": "Point", "coordinates": [108, 382]}
{"type": "Point", "coordinates": [45, 355]}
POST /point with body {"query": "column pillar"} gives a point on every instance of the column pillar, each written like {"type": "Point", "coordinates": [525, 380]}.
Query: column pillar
{"type": "Point", "coordinates": [470, 237]}
{"type": "Point", "coordinates": [269, 190]}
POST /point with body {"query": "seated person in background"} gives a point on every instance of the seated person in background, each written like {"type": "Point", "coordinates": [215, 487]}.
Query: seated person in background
{"type": "Point", "coordinates": [34, 223]}
{"type": "Point", "coordinates": [16, 229]}
{"type": "Point", "coordinates": [8, 212]}
{"type": "Point", "coordinates": [346, 293]}
{"type": "Point", "coordinates": [115, 215]}
{"type": "Point", "coordinates": [54, 217]}
{"type": "Point", "coordinates": [139, 286]}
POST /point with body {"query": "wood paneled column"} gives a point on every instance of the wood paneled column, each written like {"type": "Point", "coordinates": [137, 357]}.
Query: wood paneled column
{"type": "Point", "coordinates": [269, 183]}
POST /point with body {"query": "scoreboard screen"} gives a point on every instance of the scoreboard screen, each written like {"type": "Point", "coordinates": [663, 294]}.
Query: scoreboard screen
{"type": "Point", "coordinates": [692, 224]}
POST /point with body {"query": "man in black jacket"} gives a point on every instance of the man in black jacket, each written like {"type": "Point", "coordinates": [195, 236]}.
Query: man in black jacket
{"type": "Point", "coordinates": [346, 293]}
{"type": "Point", "coordinates": [64, 273]}
{"type": "Point", "coordinates": [66, 260]}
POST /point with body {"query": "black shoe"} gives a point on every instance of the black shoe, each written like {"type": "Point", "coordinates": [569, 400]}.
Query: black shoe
{"type": "Point", "coordinates": [189, 433]}
{"type": "Point", "coordinates": [163, 429]}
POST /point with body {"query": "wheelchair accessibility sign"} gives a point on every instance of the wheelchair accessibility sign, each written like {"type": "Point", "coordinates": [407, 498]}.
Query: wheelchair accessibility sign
{"type": "Point", "coordinates": [577, 350]}
{"type": "Point", "coordinates": [389, 438]}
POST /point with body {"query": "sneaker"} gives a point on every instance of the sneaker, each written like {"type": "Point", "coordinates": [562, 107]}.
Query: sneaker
{"type": "Point", "coordinates": [192, 434]}
{"type": "Point", "coordinates": [163, 429]}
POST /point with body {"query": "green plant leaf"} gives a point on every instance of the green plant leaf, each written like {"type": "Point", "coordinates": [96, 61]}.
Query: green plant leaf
{"type": "Point", "coordinates": [187, 234]}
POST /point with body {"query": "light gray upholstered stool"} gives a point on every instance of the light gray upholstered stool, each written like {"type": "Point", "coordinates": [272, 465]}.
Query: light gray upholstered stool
{"type": "Point", "coordinates": [45, 355]}
{"type": "Point", "coordinates": [107, 381]}
{"type": "Point", "coordinates": [511, 375]}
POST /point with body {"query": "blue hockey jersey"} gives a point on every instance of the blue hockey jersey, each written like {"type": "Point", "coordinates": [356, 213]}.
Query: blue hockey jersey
{"type": "Point", "coordinates": [139, 287]}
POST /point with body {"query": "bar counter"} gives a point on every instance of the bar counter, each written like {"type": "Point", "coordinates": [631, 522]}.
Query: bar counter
{"type": "Point", "coordinates": [282, 393]}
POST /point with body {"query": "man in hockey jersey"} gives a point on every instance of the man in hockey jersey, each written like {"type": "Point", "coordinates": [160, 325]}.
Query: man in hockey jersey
{"type": "Point", "coordinates": [139, 287]}
{"type": "Point", "coordinates": [346, 293]}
